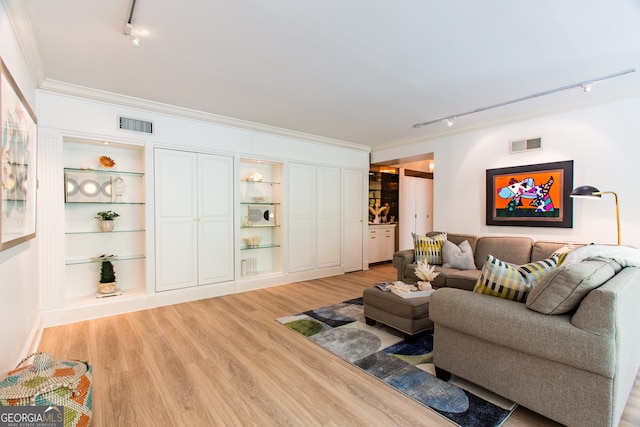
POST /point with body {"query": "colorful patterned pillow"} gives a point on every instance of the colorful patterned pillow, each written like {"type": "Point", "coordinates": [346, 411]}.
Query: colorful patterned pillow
{"type": "Point", "coordinates": [428, 249]}
{"type": "Point", "coordinates": [505, 280]}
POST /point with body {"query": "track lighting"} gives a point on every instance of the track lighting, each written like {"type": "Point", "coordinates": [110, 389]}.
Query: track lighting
{"type": "Point", "coordinates": [585, 85]}
{"type": "Point", "coordinates": [128, 27]}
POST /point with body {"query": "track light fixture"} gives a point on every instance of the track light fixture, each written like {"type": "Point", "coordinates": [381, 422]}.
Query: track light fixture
{"type": "Point", "coordinates": [585, 85]}
{"type": "Point", "coordinates": [128, 27]}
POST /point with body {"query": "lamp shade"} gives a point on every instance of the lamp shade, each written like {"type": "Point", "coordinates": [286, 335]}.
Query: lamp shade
{"type": "Point", "coordinates": [586, 191]}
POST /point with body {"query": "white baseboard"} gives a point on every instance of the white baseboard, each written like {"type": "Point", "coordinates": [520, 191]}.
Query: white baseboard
{"type": "Point", "coordinates": [141, 301]}
{"type": "Point", "coordinates": [32, 342]}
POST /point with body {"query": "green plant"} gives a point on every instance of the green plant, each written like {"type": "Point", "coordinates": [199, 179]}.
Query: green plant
{"type": "Point", "coordinates": [107, 215]}
{"type": "Point", "coordinates": [107, 273]}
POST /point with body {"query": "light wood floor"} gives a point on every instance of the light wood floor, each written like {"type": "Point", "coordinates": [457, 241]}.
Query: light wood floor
{"type": "Point", "coordinates": [226, 362]}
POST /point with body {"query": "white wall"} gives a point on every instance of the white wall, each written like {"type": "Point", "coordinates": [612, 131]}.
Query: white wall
{"type": "Point", "coordinates": [75, 116]}
{"type": "Point", "coordinates": [601, 139]}
{"type": "Point", "coordinates": [19, 296]}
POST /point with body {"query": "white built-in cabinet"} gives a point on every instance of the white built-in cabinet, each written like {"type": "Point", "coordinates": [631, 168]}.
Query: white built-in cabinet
{"type": "Point", "coordinates": [90, 188]}
{"type": "Point", "coordinates": [314, 217]}
{"type": "Point", "coordinates": [382, 242]}
{"type": "Point", "coordinates": [261, 218]}
{"type": "Point", "coordinates": [194, 243]}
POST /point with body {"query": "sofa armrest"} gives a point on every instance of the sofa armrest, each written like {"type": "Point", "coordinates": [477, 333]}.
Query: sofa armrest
{"type": "Point", "coordinates": [504, 323]}
{"type": "Point", "coordinates": [401, 259]}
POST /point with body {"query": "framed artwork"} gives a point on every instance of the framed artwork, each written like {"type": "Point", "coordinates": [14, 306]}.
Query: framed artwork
{"type": "Point", "coordinates": [262, 215]}
{"type": "Point", "coordinates": [18, 174]}
{"type": "Point", "coordinates": [81, 187]}
{"type": "Point", "coordinates": [531, 196]}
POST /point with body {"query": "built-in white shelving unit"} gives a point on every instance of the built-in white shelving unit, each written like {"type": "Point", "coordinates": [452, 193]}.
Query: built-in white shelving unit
{"type": "Point", "coordinates": [261, 216]}
{"type": "Point", "coordinates": [91, 188]}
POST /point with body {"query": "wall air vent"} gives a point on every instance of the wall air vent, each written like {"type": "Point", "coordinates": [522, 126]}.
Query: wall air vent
{"type": "Point", "coordinates": [522, 145]}
{"type": "Point", "coordinates": [135, 125]}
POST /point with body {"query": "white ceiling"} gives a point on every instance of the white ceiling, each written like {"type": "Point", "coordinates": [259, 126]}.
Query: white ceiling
{"type": "Point", "coordinates": [362, 71]}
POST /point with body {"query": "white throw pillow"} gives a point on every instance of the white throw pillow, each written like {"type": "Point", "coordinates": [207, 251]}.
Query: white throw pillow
{"type": "Point", "coordinates": [460, 257]}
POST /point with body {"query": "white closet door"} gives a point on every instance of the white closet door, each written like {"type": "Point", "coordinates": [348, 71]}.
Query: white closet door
{"type": "Point", "coordinates": [328, 217]}
{"type": "Point", "coordinates": [176, 227]}
{"type": "Point", "coordinates": [421, 196]}
{"type": "Point", "coordinates": [416, 201]}
{"type": "Point", "coordinates": [302, 217]}
{"type": "Point", "coordinates": [215, 219]}
{"type": "Point", "coordinates": [353, 203]}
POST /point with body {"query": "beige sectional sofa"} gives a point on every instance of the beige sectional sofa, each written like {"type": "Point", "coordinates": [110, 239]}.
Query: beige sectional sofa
{"type": "Point", "coordinates": [571, 352]}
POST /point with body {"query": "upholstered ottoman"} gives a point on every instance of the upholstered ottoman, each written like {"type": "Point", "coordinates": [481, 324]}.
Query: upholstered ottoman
{"type": "Point", "coordinates": [408, 315]}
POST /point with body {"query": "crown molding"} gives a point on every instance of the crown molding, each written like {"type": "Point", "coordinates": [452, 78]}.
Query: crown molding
{"type": "Point", "coordinates": [19, 19]}
{"type": "Point", "coordinates": [62, 88]}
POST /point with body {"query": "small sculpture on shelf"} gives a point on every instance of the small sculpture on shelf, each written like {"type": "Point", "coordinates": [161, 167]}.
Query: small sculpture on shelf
{"type": "Point", "coordinates": [378, 211]}
{"type": "Point", "coordinates": [254, 177]}
{"type": "Point", "coordinates": [118, 187]}
{"type": "Point", "coordinates": [106, 162]}
{"type": "Point", "coordinates": [106, 220]}
{"type": "Point", "coordinates": [108, 283]}
{"type": "Point", "coordinates": [253, 241]}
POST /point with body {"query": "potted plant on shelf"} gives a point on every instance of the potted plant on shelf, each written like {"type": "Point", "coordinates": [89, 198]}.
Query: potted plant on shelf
{"type": "Point", "coordinates": [108, 283]}
{"type": "Point", "coordinates": [106, 220]}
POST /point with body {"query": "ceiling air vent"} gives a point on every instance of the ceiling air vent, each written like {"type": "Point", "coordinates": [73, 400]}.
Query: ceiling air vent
{"type": "Point", "coordinates": [525, 145]}
{"type": "Point", "coordinates": [127, 123]}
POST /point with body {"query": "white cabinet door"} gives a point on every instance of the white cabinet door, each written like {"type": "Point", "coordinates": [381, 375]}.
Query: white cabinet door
{"type": "Point", "coordinates": [176, 226]}
{"type": "Point", "coordinates": [353, 206]}
{"type": "Point", "coordinates": [302, 217]}
{"type": "Point", "coordinates": [215, 219]}
{"type": "Point", "coordinates": [194, 219]}
{"type": "Point", "coordinates": [328, 217]}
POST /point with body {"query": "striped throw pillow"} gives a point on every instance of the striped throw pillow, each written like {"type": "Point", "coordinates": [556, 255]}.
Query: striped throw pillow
{"type": "Point", "coordinates": [562, 253]}
{"type": "Point", "coordinates": [428, 249]}
{"type": "Point", "coordinates": [509, 281]}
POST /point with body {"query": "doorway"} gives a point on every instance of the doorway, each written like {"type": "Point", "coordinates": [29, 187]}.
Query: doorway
{"type": "Point", "coordinates": [415, 201]}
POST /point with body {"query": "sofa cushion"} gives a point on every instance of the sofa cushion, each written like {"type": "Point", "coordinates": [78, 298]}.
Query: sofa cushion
{"type": "Point", "coordinates": [514, 250]}
{"type": "Point", "coordinates": [542, 250]}
{"type": "Point", "coordinates": [562, 290]}
{"type": "Point", "coordinates": [458, 256]}
{"type": "Point", "coordinates": [505, 280]}
{"type": "Point", "coordinates": [463, 279]}
{"type": "Point", "coordinates": [428, 249]}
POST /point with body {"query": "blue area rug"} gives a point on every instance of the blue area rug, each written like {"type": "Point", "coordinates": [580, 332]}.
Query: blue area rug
{"type": "Point", "coordinates": [406, 366]}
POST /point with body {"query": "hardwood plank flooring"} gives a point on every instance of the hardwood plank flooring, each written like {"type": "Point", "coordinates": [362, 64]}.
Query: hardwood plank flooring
{"type": "Point", "coordinates": [226, 362]}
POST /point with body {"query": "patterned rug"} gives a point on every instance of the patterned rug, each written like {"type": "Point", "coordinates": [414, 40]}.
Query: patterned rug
{"type": "Point", "coordinates": [382, 352]}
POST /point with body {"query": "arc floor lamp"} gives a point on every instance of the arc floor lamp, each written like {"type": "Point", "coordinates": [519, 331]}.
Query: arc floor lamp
{"type": "Point", "coordinates": [589, 192]}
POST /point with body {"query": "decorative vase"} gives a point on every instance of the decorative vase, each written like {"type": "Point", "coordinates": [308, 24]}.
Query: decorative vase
{"type": "Point", "coordinates": [107, 288]}
{"type": "Point", "coordinates": [118, 187]}
{"type": "Point", "coordinates": [424, 286]}
{"type": "Point", "coordinates": [107, 224]}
